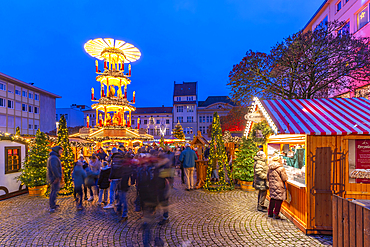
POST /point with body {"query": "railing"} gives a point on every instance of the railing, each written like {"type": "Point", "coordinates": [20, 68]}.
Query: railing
{"type": "Point", "coordinates": [351, 223]}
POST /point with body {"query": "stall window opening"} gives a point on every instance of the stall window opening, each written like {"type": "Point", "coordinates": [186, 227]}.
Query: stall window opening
{"type": "Point", "coordinates": [12, 159]}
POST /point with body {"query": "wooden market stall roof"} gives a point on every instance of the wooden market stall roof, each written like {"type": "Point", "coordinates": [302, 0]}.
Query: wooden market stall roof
{"type": "Point", "coordinates": [333, 116]}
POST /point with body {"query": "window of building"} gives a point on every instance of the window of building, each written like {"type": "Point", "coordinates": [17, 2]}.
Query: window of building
{"type": "Point", "coordinates": [210, 118]}
{"type": "Point", "coordinates": [145, 121]}
{"type": "Point", "coordinates": [2, 86]}
{"type": "Point", "coordinates": [18, 106]}
{"type": "Point", "coordinates": [157, 122]}
{"type": "Point", "coordinates": [190, 108]}
{"type": "Point", "coordinates": [157, 132]}
{"type": "Point", "coordinates": [36, 96]}
{"type": "Point", "coordinates": [24, 108]}
{"type": "Point", "coordinates": [344, 30]}
{"type": "Point", "coordinates": [36, 126]}
{"type": "Point", "coordinates": [204, 119]}
{"type": "Point", "coordinates": [339, 5]}
{"type": "Point", "coordinates": [207, 119]}
{"type": "Point", "coordinates": [189, 119]}
{"type": "Point", "coordinates": [10, 88]}
{"type": "Point", "coordinates": [12, 159]}
{"type": "Point", "coordinates": [2, 102]}
{"type": "Point", "coordinates": [30, 95]}
{"type": "Point", "coordinates": [180, 119]}
{"type": "Point", "coordinates": [36, 110]}
{"type": "Point", "coordinates": [11, 104]}
{"type": "Point", "coordinates": [323, 23]}
{"type": "Point", "coordinates": [167, 131]}
{"type": "Point", "coordinates": [189, 98]}
{"type": "Point", "coordinates": [362, 17]}
{"type": "Point", "coordinates": [30, 108]}
{"type": "Point", "coordinates": [346, 1]}
{"type": "Point", "coordinates": [132, 121]}
{"type": "Point", "coordinates": [167, 121]}
{"type": "Point", "coordinates": [24, 93]}
{"type": "Point", "coordinates": [151, 131]}
{"type": "Point", "coordinates": [178, 98]}
{"type": "Point", "coordinates": [200, 119]}
{"type": "Point", "coordinates": [17, 92]}
{"type": "Point", "coordinates": [180, 108]}
{"type": "Point", "coordinates": [30, 126]}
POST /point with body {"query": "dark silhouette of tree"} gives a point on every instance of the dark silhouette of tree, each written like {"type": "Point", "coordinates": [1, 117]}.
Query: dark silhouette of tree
{"type": "Point", "coordinates": [305, 65]}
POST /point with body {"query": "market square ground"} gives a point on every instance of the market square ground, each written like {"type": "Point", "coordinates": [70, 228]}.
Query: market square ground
{"type": "Point", "coordinates": [197, 218]}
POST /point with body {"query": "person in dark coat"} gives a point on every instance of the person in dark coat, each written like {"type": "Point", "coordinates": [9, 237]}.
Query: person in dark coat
{"type": "Point", "coordinates": [103, 182]}
{"type": "Point", "coordinates": [101, 155]}
{"type": "Point", "coordinates": [116, 164]}
{"type": "Point", "coordinates": [188, 158]}
{"type": "Point", "coordinates": [54, 175]}
{"type": "Point", "coordinates": [260, 179]}
{"type": "Point", "coordinates": [79, 176]}
{"type": "Point", "coordinates": [124, 186]}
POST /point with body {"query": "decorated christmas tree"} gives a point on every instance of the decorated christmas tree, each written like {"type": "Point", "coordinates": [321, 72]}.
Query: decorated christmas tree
{"type": "Point", "coordinates": [178, 131]}
{"type": "Point", "coordinates": [67, 158]}
{"type": "Point", "coordinates": [35, 163]}
{"type": "Point", "coordinates": [218, 160]}
{"type": "Point", "coordinates": [244, 162]}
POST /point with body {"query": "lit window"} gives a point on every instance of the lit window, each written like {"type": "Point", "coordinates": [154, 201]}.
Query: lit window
{"type": "Point", "coordinates": [362, 18]}
{"type": "Point", "coordinates": [11, 104]}
{"type": "Point", "coordinates": [339, 6]}
{"type": "Point", "coordinates": [190, 108]}
{"type": "Point", "coordinates": [30, 95]}
{"type": "Point", "coordinates": [36, 96]}
{"type": "Point", "coordinates": [12, 159]}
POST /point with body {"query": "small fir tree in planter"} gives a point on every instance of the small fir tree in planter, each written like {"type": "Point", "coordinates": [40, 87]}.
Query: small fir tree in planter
{"type": "Point", "coordinates": [35, 163]}
{"type": "Point", "coordinates": [218, 155]}
{"type": "Point", "coordinates": [178, 131]}
{"type": "Point", "coordinates": [67, 157]}
{"type": "Point", "coordinates": [244, 163]}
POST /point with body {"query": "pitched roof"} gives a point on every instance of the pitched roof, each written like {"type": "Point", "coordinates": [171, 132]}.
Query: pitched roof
{"type": "Point", "coordinates": [147, 110]}
{"type": "Point", "coordinates": [333, 116]}
{"type": "Point", "coordinates": [215, 99]}
{"type": "Point", "coordinates": [186, 88]}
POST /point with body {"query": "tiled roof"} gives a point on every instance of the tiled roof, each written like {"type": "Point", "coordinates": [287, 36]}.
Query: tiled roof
{"type": "Point", "coordinates": [215, 99]}
{"type": "Point", "coordinates": [186, 88]}
{"type": "Point", "coordinates": [147, 110]}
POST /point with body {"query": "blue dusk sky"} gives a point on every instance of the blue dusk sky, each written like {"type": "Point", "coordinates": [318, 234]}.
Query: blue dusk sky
{"type": "Point", "coordinates": [180, 40]}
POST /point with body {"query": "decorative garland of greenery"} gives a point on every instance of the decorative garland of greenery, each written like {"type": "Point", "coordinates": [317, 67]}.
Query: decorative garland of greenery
{"type": "Point", "coordinates": [266, 131]}
{"type": "Point", "coordinates": [218, 154]}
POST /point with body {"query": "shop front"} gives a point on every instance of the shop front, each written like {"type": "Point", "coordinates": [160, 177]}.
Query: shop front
{"type": "Point", "coordinates": [325, 146]}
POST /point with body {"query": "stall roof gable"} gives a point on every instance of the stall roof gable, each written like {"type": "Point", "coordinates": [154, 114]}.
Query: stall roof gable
{"type": "Point", "coordinates": [332, 116]}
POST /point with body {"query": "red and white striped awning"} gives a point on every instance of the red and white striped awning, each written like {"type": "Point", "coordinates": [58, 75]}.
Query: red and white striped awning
{"type": "Point", "coordinates": [334, 116]}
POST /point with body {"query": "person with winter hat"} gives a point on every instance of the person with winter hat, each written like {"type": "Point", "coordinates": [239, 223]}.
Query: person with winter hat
{"type": "Point", "coordinates": [260, 179]}
{"type": "Point", "coordinates": [276, 177]}
{"type": "Point", "coordinates": [54, 175]}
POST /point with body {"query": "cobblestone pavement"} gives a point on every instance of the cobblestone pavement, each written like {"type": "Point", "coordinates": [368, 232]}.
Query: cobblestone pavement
{"type": "Point", "coordinates": [197, 218]}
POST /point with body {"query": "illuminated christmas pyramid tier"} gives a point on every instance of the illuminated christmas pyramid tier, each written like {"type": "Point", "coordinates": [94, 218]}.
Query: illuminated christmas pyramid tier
{"type": "Point", "coordinates": [113, 109]}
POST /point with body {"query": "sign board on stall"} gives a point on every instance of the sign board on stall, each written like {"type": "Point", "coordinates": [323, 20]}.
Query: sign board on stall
{"type": "Point", "coordinates": [254, 117]}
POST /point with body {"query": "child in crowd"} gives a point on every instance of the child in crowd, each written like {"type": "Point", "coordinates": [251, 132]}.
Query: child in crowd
{"type": "Point", "coordinates": [103, 182]}
{"type": "Point", "coordinates": [78, 176]}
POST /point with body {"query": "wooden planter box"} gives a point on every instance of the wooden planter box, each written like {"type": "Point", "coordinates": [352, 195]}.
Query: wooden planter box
{"type": "Point", "coordinates": [38, 190]}
{"type": "Point", "coordinates": [246, 186]}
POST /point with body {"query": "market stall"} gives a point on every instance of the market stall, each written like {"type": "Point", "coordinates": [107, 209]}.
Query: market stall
{"type": "Point", "coordinates": [325, 144]}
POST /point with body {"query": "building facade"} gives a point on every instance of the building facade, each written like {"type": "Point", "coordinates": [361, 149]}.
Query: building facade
{"type": "Point", "coordinates": [355, 14]}
{"type": "Point", "coordinates": [185, 101]}
{"type": "Point", "coordinates": [74, 115]}
{"type": "Point", "coordinates": [25, 106]}
{"type": "Point", "coordinates": [156, 121]}
{"type": "Point", "coordinates": [220, 104]}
